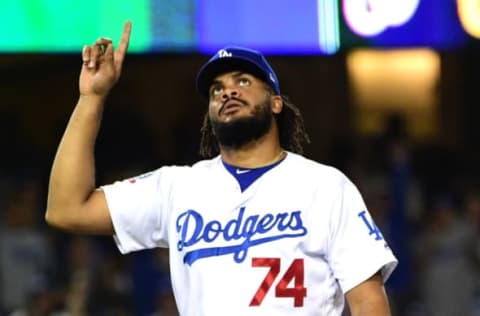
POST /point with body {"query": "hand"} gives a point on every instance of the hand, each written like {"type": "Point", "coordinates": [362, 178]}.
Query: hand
{"type": "Point", "coordinates": [102, 65]}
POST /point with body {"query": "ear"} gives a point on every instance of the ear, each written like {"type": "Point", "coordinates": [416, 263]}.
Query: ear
{"type": "Point", "coordinates": [276, 104]}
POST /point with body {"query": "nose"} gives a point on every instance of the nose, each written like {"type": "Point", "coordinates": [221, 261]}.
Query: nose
{"type": "Point", "coordinates": [229, 92]}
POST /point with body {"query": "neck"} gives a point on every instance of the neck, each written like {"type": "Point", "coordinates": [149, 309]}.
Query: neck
{"type": "Point", "coordinates": [258, 153]}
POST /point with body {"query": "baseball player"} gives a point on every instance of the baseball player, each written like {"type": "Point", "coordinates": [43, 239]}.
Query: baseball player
{"type": "Point", "coordinates": [256, 229]}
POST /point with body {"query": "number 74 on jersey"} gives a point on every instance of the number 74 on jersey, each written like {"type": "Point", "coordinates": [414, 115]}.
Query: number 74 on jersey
{"type": "Point", "coordinates": [294, 274]}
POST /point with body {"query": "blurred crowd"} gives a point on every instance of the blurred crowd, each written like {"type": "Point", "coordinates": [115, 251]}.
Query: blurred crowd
{"type": "Point", "coordinates": [427, 210]}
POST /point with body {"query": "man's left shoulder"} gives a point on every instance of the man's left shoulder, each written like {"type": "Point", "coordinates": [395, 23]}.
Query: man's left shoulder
{"type": "Point", "coordinates": [315, 169]}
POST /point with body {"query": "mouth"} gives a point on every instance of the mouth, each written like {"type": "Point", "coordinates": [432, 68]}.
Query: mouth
{"type": "Point", "coordinates": [231, 106]}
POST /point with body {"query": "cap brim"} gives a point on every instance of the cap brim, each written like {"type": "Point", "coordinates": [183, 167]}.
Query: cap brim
{"type": "Point", "coordinates": [222, 65]}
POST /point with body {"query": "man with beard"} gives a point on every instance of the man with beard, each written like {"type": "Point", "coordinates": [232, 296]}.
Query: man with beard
{"type": "Point", "coordinates": [254, 229]}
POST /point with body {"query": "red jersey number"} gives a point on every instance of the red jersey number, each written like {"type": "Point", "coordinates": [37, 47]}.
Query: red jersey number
{"type": "Point", "coordinates": [294, 272]}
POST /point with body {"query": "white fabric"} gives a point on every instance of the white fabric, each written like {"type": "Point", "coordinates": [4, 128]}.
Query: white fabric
{"type": "Point", "coordinates": [300, 214]}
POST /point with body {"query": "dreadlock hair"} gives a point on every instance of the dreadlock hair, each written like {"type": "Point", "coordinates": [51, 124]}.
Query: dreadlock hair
{"type": "Point", "coordinates": [291, 129]}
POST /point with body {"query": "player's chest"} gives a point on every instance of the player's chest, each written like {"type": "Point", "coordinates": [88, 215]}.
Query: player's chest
{"type": "Point", "coordinates": [237, 225]}
{"type": "Point", "coordinates": [227, 214]}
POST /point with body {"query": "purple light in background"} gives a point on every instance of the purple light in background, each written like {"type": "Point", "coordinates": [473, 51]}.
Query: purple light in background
{"type": "Point", "coordinates": [435, 24]}
{"type": "Point", "coordinates": [272, 26]}
{"type": "Point", "coordinates": [312, 27]}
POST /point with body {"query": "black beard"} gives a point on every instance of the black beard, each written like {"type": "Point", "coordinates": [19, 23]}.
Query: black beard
{"type": "Point", "coordinates": [242, 131]}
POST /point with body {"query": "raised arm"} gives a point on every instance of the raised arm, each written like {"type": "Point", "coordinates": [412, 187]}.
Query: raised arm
{"type": "Point", "coordinates": [73, 202]}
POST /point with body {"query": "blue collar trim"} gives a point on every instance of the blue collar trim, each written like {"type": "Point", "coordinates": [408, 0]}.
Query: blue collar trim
{"type": "Point", "coordinates": [246, 176]}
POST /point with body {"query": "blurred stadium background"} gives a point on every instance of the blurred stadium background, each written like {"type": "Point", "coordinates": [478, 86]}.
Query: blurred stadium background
{"type": "Point", "coordinates": [389, 91]}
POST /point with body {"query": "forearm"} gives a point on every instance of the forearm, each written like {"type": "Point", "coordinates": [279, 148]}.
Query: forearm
{"type": "Point", "coordinates": [72, 177]}
{"type": "Point", "coordinates": [73, 203]}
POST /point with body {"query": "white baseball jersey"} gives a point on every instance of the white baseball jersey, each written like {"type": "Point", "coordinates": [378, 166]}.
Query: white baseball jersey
{"type": "Point", "coordinates": [292, 243]}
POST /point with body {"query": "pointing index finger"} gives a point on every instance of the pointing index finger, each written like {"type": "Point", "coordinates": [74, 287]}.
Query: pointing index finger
{"type": "Point", "coordinates": [124, 41]}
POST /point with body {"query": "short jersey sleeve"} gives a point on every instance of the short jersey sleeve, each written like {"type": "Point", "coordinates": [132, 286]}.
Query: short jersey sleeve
{"type": "Point", "coordinates": [138, 208]}
{"type": "Point", "coordinates": [357, 249]}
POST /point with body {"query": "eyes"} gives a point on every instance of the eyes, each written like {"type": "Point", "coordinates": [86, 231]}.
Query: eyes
{"type": "Point", "coordinates": [218, 87]}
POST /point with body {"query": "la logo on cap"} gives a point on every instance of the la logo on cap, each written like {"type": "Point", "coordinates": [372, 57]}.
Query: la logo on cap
{"type": "Point", "coordinates": [223, 53]}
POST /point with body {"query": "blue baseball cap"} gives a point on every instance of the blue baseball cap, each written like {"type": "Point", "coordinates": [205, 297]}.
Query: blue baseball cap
{"type": "Point", "coordinates": [232, 58]}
